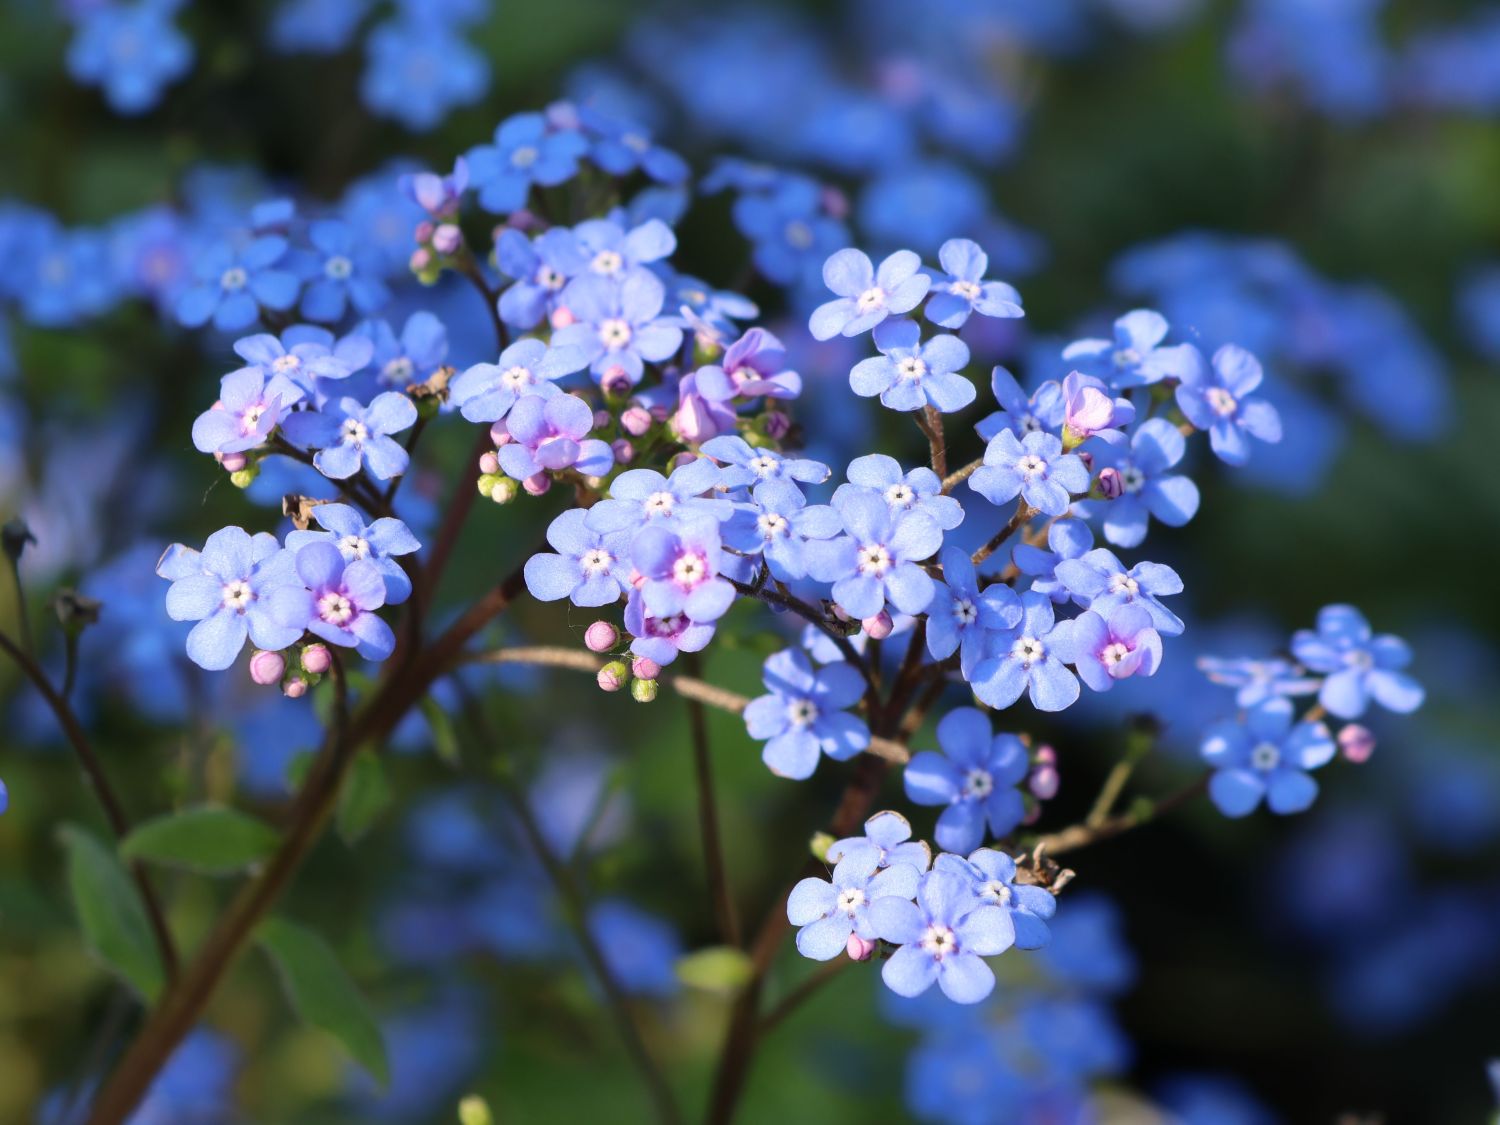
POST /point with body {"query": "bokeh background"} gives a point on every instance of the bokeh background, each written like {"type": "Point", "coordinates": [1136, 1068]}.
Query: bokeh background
{"type": "Point", "coordinates": [1314, 179]}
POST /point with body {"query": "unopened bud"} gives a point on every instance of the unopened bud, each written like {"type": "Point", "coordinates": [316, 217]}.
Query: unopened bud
{"type": "Point", "coordinates": [643, 691]}
{"type": "Point", "coordinates": [615, 382]}
{"type": "Point", "coordinates": [294, 688]}
{"type": "Point", "coordinates": [624, 452]}
{"type": "Point", "coordinates": [835, 202]}
{"type": "Point", "coordinates": [447, 238]}
{"type": "Point", "coordinates": [500, 434]}
{"type": "Point", "coordinates": [316, 659]}
{"type": "Point", "coordinates": [858, 948]}
{"type": "Point", "coordinates": [561, 317]}
{"type": "Point", "coordinates": [612, 676]}
{"type": "Point", "coordinates": [246, 476]}
{"type": "Point", "coordinates": [537, 484]}
{"type": "Point", "coordinates": [879, 627]}
{"type": "Point", "coordinates": [778, 425]}
{"type": "Point", "coordinates": [489, 464]}
{"type": "Point", "coordinates": [1044, 782]}
{"type": "Point", "coordinates": [636, 420]}
{"type": "Point", "coordinates": [14, 536]}
{"type": "Point", "coordinates": [502, 490]}
{"type": "Point", "coordinates": [421, 260]}
{"type": "Point", "coordinates": [474, 1110]}
{"type": "Point", "coordinates": [423, 231]}
{"type": "Point", "coordinates": [602, 418]}
{"type": "Point", "coordinates": [644, 668]}
{"type": "Point", "coordinates": [601, 636]}
{"type": "Point", "coordinates": [1045, 755]}
{"type": "Point", "coordinates": [75, 611]}
{"type": "Point", "coordinates": [233, 462]}
{"type": "Point", "coordinates": [1111, 484]}
{"type": "Point", "coordinates": [819, 845]}
{"type": "Point", "coordinates": [1356, 742]}
{"type": "Point", "coordinates": [267, 668]}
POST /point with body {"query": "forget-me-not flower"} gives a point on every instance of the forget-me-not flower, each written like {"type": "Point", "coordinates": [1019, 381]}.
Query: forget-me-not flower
{"type": "Point", "coordinates": [1359, 665]}
{"type": "Point", "coordinates": [804, 715]}
{"type": "Point", "coordinates": [975, 778]}
{"type": "Point", "coordinates": [1266, 756]}
{"type": "Point", "coordinates": [867, 296]}
{"type": "Point", "coordinates": [910, 374]}
{"type": "Point", "coordinates": [964, 291]}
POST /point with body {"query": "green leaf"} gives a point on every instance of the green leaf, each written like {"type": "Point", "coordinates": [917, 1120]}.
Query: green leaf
{"type": "Point", "coordinates": [111, 912]}
{"type": "Point", "coordinates": [208, 838]}
{"type": "Point", "coordinates": [364, 798]}
{"type": "Point", "coordinates": [322, 993]}
{"type": "Point", "coordinates": [720, 968]}
{"type": "Point", "coordinates": [444, 740]}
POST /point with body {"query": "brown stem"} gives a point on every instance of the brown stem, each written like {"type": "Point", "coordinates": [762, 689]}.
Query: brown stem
{"type": "Point", "coordinates": [958, 476]}
{"type": "Point", "coordinates": [708, 817]}
{"type": "Point", "coordinates": [809, 614]}
{"type": "Point", "coordinates": [1023, 513]}
{"type": "Point", "coordinates": [930, 422]}
{"type": "Point", "coordinates": [1082, 835]}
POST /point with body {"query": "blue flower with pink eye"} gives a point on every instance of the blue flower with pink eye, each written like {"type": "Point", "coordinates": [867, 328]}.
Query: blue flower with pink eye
{"type": "Point", "coordinates": [345, 596]}
{"type": "Point", "coordinates": [1218, 397]}
{"type": "Point", "coordinates": [233, 284]}
{"type": "Point", "coordinates": [875, 561]}
{"type": "Point", "coordinates": [910, 374]}
{"type": "Point", "coordinates": [680, 566]}
{"type": "Point", "coordinates": [1135, 357]}
{"type": "Point", "coordinates": [888, 838]}
{"type": "Point", "coordinates": [349, 435]}
{"type": "Point", "coordinates": [310, 357]}
{"type": "Point", "coordinates": [616, 325]}
{"type": "Point", "coordinates": [524, 152]}
{"type": "Point", "coordinates": [1019, 412]}
{"type": "Point", "coordinates": [238, 586]}
{"type": "Point", "coordinates": [804, 715]}
{"type": "Point", "coordinates": [867, 296]}
{"type": "Point", "coordinates": [962, 617]}
{"type": "Point", "coordinates": [1029, 659]}
{"type": "Point", "coordinates": [487, 391]}
{"type": "Point", "coordinates": [1099, 581]}
{"type": "Point", "coordinates": [1034, 468]}
{"type": "Point", "coordinates": [1104, 649]}
{"type": "Point", "coordinates": [550, 433]}
{"type": "Point", "coordinates": [752, 366]}
{"type": "Point", "coordinates": [975, 779]}
{"type": "Point", "coordinates": [829, 911]}
{"type": "Point", "coordinates": [992, 878]}
{"type": "Point", "coordinates": [381, 542]}
{"type": "Point", "coordinates": [249, 409]}
{"type": "Point", "coordinates": [919, 490]}
{"type": "Point", "coordinates": [1138, 476]}
{"type": "Point", "coordinates": [661, 638]}
{"type": "Point", "coordinates": [964, 290]}
{"type": "Point", "coordinates": [1358, 665]}
{"type": "Point", "coordinates": [590, 568]}
{"type": "Point", "coordinates": [340, 271]}
{"type": "Point", "coordinates": [944, 937]}
{"type": "Point", "coordinates": [1265, 757]}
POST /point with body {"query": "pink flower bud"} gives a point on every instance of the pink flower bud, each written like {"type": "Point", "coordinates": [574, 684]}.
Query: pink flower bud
{"type": "Point", "coordinates": [601, 636]}
{"type": "Point", "coordinates": [267, 668]}
{"type": "Point", "coordinates": [233, 462]}
{"type": "Point", "coordinates": [693, 422]}
{"type": "Point", "coordinates": [660, 413]}
{"type": "Point", "coordinates": [489, 464]}
{"type": "Point", "coordinates": [423, 233]}
{"type": "Point", "coordinates": [1045, 755]}
{"type": "Point", "coordinates": [316, 659]}
{"type": "Point", "coordinates": [778, 425]}
{"type": "Point", "coordinates": [500, 433]}
{"type": "Point", "coordinates": [612, 676]}
{"type": "Point", "coordinates": [295, 688]}
{"type": "Point", "coordinates": [858, 948]}
{"type": "Point", "coordinates": [1089, 411]}
{"type": "Point", "coordinates": [602, 418]}
{"type": "Point", "coordinates": [537, 484]}
{"type": "Point", "coordinates": [561, 317]}
{"type": "Point", "coordinates": [522, 219]}
{"type": "Point", "coordinates": [636, 420]}
{"type": "Point", "coordinates": [615, 381]}
{"type": "Point", "coordinates": [644, 668]}
{"type": "Point", "coordinates": [879, 627]}
{"type": "Point", "coordinates": [1356, 742]}
{"type": "Point", "coordinates": [1044, 782]}
{"type": "Point", "coordinates": [1087, 458]}
{"type": "Point", "coordinates": [1110, 483]}
{"type": "Point", "coordinates": [624, 452]}
{"type": "Point", "coordinates": [421, 260]}
{"type": "Point", "coordinates": [447, 238]}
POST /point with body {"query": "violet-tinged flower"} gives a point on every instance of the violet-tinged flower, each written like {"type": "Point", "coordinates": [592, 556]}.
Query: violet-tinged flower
{"type": "Point", "coordinates": [381, 542]}
{"type": "Point", "coordinates": [910, 374]}
{"type": "Point", "coordinates": [304, 354]}
{"type": "Point", "coordinates": [1028, 656]}
{"type": "Point", "coordinates": [639, 496]}
{"type": "Point", "coordinates": [524, 152]}
{"type": "Point", "coordinates": [1265, 756]}
{"type": "Point", "coordinates": [776, 523]}
{"type": "Point", "coordinates": [1215, 397]}
{"type": "Point", "coordinates": [1105, 649]}
{"type": "Point", "coordinates": [348, 435]}
{"type": "Point", "coordinates": [1090, 410]}
{"type": "Point", "coordinates": [590, 568]}
{"type": "Point", "coordinates": [345, 597]}
{"type": "Point", "coordinates": [680, 565]}
{"type": "Point", "coordinates": [961, 616]}
{"type": "Point", "coordinates": [876, 560]}
{"type": "Point", "coordinates": [1359, 666]}
{"type": "Point", "coordinates": [1256, 681]}
{"type": "Point", "coordinates": [1034, 468]}
{"type": "Point", "coordinates": [1147, 487]}
{"type": "Point", "coordinates": [486, 392]}
{"type": "Point", "coordinates": [964, 291]}
{"type": "Point", "coordinates": [1099, 581]}
{"type": "Point", "coordinates": [867, 296]}
{"type": "Point", "coordinates": [238, 586]}
{"type": "Point", "coordinates": [704, 409]}
{"type": "Point", "coordinates": [943, 937]}
{"type": "Point", "coordinates": [1135, 357]}
{"type": "Point", "coordinates": [829, 910]}
{"type": "Point", "coordinates": [662, 638]}
{"type": "Point", "coordinates": [414, 356]}
{"type": "Point", "coordinates": [804, 714]}
{"type": "Point", "coordinates": [1066, 539]}
{"type": "Point", "coordinates": [440, 196]}
{"type": "Point", "coordinates": [233, 284]}
{"type": "Point", "coordinates": [752, 366]}
{"type": "Point", "coordinates": [616, 323]}
{"type": "Point", "coordinates": [917, 491]}
{"type": "Point", "coordinates": [250, 407]}
{"type": "Point", "coordinates": [992, 877]}
{"type": "Point", "coordinates": [550, 433]}
{"type": "Point", "coordinates": [975, 778]}
{"type": "Point", "coordinates": [745, 464]}
{"type": "Point", "coordinates": [339, 272]}
{"type": "Point", "coordinates": [1020, 412]}
{"type": "Point", "coordinates": [888, 839]}
{"type": "Point", "coordinates": [613, 252]}
{"type": "Point", "coordinates": [541, 270]}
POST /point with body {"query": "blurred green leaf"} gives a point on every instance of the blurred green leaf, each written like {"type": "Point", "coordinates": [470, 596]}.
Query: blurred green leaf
{"type": "Point", "coordinates": [444, 740]}
{"type": "Point", "coordinates": [208, 838]}
{"type": "Point", "coordinates": [720, 968]}
{"type": "Point", "coordinates": [365, 797]}
{"type": "Point", "coordinates": [322, 993]}
{"type": "Point", "coordinates": [111, 912]}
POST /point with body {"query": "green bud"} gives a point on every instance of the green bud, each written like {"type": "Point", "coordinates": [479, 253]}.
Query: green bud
{"type": "Point", "coordinates": [246, 476]}
{"type": "Point", "coordinates": [505, 490]}
{"type": "Point", "coordinates": [819, 845]}
{"type": "Point", "coordinates": [474, 1110]}
{"type": "Point", "coordinates": [706, 351]}
{"type": "Point", "coordinates": [643, 691]}
{"type": "Point", "coordinates": [1071, 439]}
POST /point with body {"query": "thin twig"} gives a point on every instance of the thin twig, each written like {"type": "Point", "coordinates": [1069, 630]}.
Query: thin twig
{"type": "Point", "coordinates": [930, 422]}
{"type": "Point", "coordinates": [23, 617]}
{"type": "Point", "coordinates": [708, 817]}
{"type": "Point", "coordinates": [958, 476]}
{"type": "Point", "coordinates": [1082, 835]}
{"type": "Point", "coordinates": [809, 614]}
{"type": "Point", "coordinates": [1023, 513]}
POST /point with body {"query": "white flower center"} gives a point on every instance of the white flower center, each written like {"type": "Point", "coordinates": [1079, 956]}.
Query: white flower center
{"type": "Point", "coordinates": [771, 525]}
{"type": "Point", "coordinates": [911, 368]}
{"type": "Point", "coordinates": [1124, 584]}
{"type": "Point", "coordinates": [1126, 357]}
{"type": "Point", "coordinates": [978, 783]}
{"type": "Point", "coordinates": [607, 262]}
{"type": "Point", "coordinates": [965, 612]}
{"type": "Point", "coordinates": [1030, 424]}
{"type": "Point", "coordinates": [765, 466]}
{"type": "Point", "coordinates": [871, 299]}
{"type": "Point", "coordinates": [1358, 658]}
{"type": "Point", "coordinates": [335, 608]}
{"type": "Point", "coordinates": [595, 561]}
{"type": "Point", "coordinates": [1028, 650]}
{"type": "Point", "coordinates": [659, 504]}
{"type": "Point", "coordinates": [250, 419]}
{"type": "Point", "coordinates": [285, 364]}
{"type": "Point", "coordinates": [851, 899]}
{"type": "Point", "coordinates": [968, 290]}
{"type": "Point", "coordinates": [1221, 401]}
{"type": "Point", "coordinates": [939, 941]}
{"type": "Point", "coordinates": [517, 377]}
{"type": "Point", "coordinates": [1265, 756]}
{"type": "Point", "coordinates": [238, 595]}
{"type": "Point", "coordinates": [799, 235]}
{"type": "Point", "coordinates": [525, 156]}
{"type": "Point", "coordinates": [354, 547]}
{"type": "Point", "coordinates": [614, 333]}
{"type": "Point", "coordinates": [1114, 653]}
{"type": "Point", "coordinates": [900, 495]}
{"type": "Point", "coordinates": [995, 891]}
{"type": "Point", "coordinates": [801, 712]}
{"type": "Point", "coordinates": [1132, 479]}
{"type": "Point", "coordinates": [1031, 466]}
{"type": "Point", "coordinates": [635, 142]}
{"type": "Point", "coordinates": [338, 268]}
{"type": "Point", "coordinates": [399, 371]}
{"type": "Point", "coordinates": [233, 279]}
{"type": "Point", "coordinates": [354, 432]}
{"type": "Point", "coordinates": [689, 570]}
{"type": "Point", "coordinates": [873, 559]}
{"type": "Point", "coordinates": [549, 278]}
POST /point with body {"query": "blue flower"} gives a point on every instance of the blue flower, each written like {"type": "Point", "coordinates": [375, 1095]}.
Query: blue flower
{"type": "Point", "coordinates": [233, 284]}
{"type": "Point", "coordinates": [590, 567]}
{"type": "Point", "coordinates": [524, 152]}
{"type": "Point", "coordinates": [1146, 488]}
{"type": "Point", "coordinates": [680, 565]}
{"type": "Point", "coordinates": [877, 558]}
{"type": "Point", "coordinates": [804, 714]}
{"type": "Point", "coordinates": [382, 542]}
{"type": "Point", "coordinates": [305, 354]}
{"type": "Point", "coordinates": [345, 597]}
{"type": "Point", "coordinates": [238, 586]}
{"type": "Point", "coordinates": [418, 70]}
{"type": "Point", "coordinates": [943, 937]}
{"type": "Point", "coordinates": [1215, 397]}
{"type": "Point", "coordinates": [1066, 539]}
{"type": "Point", "coordinates": [348, 435]}
{"type": "Point", "coordinates": [775, 524]}
{"type": "Point", "coordinates": [130, 50]}
{"type": "Point", "coordinates": [414, 356]}
{"type": "Point", "coordinates": [639, 496]}
{"type": "Point", "coordinates": [616, 323]}
{"type": "Point", "coordinates": [917, 491]}
{"type": "Point", "coordinates": [323, 27]}
{"type": "Point", "coordinates": [613, 252]}
{"type": "Point", "coordinates": [975, 778]}
{"type": "Point", "coordinates": [1034, 468]}
{"type": "Point", "coordinates": [1108, 648]}
{"type": "Point", "coordinates": [662, 638]}
{"type": "Point", "coordinates": [745, 464]}
{"type": "Point", "coordinates": [640, 949]}
{"type": "Point", "coordinates": [867, 296]}
{"type": "Point", "coordinates": [962, 617]}
{"type": "Point", "coordinates": [964, 291]}
{"type": "Point", "coordinates": [888, 839]}
{"type": "Point", "coordinates": [1256, 681]}
{"type": "Point", "coordinates": [250, 407]}
{"type": "Point", "coordinates": [830, 911]}
{"type": "Point", "coordinates": [621, 147]}
{"type": "Point", "coordinates": [1100, 582]}
{"type": "Point", "coordinates": [1359, 665]}
{"type": "Point", "coordinates": [1135, 357]}
{"type": "Point", "coordinates": [340, 272]}
{"type": "Point", "coordinates": [486, 392]}
{"type": "Point", "coordinates": [992, 877]}
{"type": "Point", "coordinates": [1027, 657]}
{"type": "Point", "coordinates": [1020, 412]}
{"type": "Point", "coordinates": [1087, 949]}
{"type": "Point", "coordinates": [910, 374]}
{"type": "Point", "coordinates": [789, 230]}
{"type": "Point", "coordinates": [1265, 756]}
{"type": "Point", "coordinates": [541, 270]}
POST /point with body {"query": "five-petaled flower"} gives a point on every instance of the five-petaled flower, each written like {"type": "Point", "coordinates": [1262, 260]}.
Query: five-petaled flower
{"type": "Point", "coordinates": [805, 714]}
{"type": "Point", "coordinates": [1266, 756]}
{"type": "Point", "coordinates": [1359, 665]}
{"type": "Point", "coordinates": [867, 296]}
{"type": "Point", "coordinates": [944, 937]}
{"type": "Point", "coordinates": [975, 778]}
{"type": "Point", "coordinates": [1216, 397]}
{"type": "Point", "coordinates": [1034, 468]}
{"type": "Point", "coordinates": [829, 910]}
{"type": "Point", "coordinates": [910, 374]}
